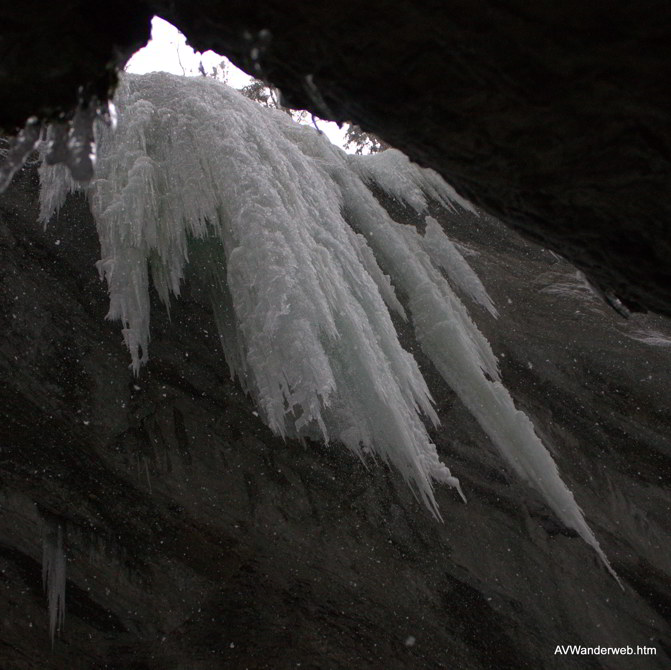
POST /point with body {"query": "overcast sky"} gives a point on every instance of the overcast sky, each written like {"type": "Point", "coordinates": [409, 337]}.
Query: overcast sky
{"type": "Point", "coordinates": [167, 51]}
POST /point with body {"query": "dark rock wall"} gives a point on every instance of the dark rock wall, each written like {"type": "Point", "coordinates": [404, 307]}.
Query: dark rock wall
{"type": "Point", "coordinates": [195, 539]}
{"type": "Point", "coordinates": [50, 50]}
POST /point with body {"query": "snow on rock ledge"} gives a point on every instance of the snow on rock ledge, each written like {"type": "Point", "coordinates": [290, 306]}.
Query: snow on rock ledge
{"type": "Point", "coordinates": [304, 264]}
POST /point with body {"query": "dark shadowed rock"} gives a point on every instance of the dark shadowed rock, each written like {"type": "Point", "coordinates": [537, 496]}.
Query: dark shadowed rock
{"type": "Point", "coordinates": [195, 539]}
{"type": "Point", "coordinates": [51, 50]}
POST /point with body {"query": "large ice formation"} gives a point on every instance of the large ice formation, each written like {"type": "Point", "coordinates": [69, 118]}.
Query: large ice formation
{"type": "Point", "coordinates": [305, 265]}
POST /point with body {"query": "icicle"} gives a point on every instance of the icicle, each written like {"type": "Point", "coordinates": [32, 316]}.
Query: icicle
{"type": "Point", "coordinates": [444, 254]}
{"type": "Point", "coordinates": [393, 172]}
{"type": "Point", "coordinates": [19, 150]}
{"type": "Point", "coordinates": [53, 574]}
{"type": "Point", "coordinates": [462, 356]}
{"type": "Point", "coordinates": [73, 143]}
{"type": "Point", "coordinates": [70, 149]}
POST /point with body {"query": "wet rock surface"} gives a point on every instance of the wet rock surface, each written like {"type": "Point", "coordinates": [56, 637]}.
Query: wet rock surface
{"type": "Point", "coordinates": [195, 538]}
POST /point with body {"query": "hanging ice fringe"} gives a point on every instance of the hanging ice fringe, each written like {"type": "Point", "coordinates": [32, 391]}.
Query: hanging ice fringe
{"type": "Point", "coordinates": [305, 265]}
{"type": "Point", "coordinates": [53, 574]}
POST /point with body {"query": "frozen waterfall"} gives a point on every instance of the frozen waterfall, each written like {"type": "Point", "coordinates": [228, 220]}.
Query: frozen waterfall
{"type": "Point", "coordinates": [305, 265]}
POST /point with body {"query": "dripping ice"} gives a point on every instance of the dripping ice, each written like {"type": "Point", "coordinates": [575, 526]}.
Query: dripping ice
{"type": "Point", "coordinates": [53, 574]}
{"type": "Point", "coordinates": [69, 142]}
{"type": "Point", "coordinates": [305, 266]}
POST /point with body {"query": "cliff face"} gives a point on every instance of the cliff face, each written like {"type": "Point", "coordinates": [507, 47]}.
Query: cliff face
{"type": "Point", "coordinates": [194, 538]}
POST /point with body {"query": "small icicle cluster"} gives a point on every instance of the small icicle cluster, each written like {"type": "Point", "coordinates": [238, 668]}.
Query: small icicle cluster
{"type": "Point", "coordinates": [19, 148]}
{"type": "Point", "coordinates": [53, 574]}
{"type": "Point", "coordinates": [69, 142]}
{"type": "Point", "coordinates": [305, 265]}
